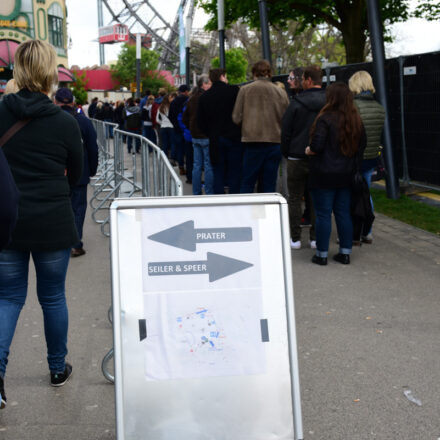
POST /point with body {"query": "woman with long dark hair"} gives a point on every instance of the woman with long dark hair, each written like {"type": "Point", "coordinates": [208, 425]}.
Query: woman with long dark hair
{"type": "Point", "coordinates": [336, 148]}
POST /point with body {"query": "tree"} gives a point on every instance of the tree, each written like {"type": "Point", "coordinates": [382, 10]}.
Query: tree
{"type": "Point", "coordinates": [124, 71]}
{"type": "Point", "coordinates": [429, 10]}
{"type": "Point", "coordinates": [236, 65]}
{"type": "Point", "coordinates": [295, 49]}
{"type": "Point", "coordinates": [348, 16]}
{"type": "Point", "coordinates": [79, 88]}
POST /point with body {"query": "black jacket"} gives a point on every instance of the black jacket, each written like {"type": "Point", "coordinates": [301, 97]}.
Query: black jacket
{"type": "Point", "coordinates": [329, 168]}
{"type": "Point", "coordinates": [189, 117]}
{"type": "Point", "coordinates": [132, 116]}
{"type": "Point", "coordinates": [46, 158]}
{"type": "Point", "coordinates": [214, 115]}
{"type": "Point", "coordinates": [176, 107]}
{"type": "Point", "coordinates": [90, 146]}
{"type": "Point", "coordinates": [8, 202]}
{"type": "Point", "coordinates": [297, 121]}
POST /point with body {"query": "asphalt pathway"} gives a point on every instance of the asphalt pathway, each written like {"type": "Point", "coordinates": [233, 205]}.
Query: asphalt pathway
{"type": "Point", "coordinates": [368, 338]}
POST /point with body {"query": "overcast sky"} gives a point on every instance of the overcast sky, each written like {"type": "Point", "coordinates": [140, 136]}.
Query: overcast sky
{"type": "Point", "coordinates": [412, 37]}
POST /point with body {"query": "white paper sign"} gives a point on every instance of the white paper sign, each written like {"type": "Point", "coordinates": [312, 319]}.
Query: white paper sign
{"type": "Point", "coordinates": [203, 334]}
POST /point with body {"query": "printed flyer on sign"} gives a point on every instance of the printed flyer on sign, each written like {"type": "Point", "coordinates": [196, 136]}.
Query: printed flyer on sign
{"type": "Point", "coordinates": [201, 334]}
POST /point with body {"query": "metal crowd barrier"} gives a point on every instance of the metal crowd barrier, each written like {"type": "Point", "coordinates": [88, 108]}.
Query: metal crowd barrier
{"type": "Point", "coordinates": [147, 174]}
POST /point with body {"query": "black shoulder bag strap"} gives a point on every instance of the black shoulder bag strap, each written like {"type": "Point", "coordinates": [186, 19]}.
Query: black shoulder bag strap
{"type": "Point", "coordinates": [13, 130]}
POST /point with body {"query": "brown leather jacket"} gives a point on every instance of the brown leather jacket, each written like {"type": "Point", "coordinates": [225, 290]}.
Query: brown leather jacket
{"type": "Point", "coordinates": [259, 109]}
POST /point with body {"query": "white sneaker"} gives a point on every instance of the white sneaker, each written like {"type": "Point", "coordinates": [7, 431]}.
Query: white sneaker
{"type": "Point", "coordinates": [295, 244]}
{"type": "Point", "coordinates": [313, 244]}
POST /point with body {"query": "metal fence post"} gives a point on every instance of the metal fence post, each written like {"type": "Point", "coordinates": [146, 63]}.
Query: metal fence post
{"type": "Point", "coordinates": [375, 24]}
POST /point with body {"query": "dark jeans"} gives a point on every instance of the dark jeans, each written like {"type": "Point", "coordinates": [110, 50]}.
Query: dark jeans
{"type": "Point", "coordinates": [51, 268]}
{"type": "Point", "coordinates": [189, 160]}
{"type": "Point", "coordinates": [78, 197]}
{"type": "Point", "coordinates": [130, 140]}
{"type": "Point", "coordinates": [166, 135]}
{"type": "Point", "coordinates": [259, 158]}
{"type": "Point", "coordinates": [325, 201]}
{"type": "Point", "coordinates": [297, 176]}
{"type": "Point", "coordinates": [228, 166]}
{"type": "Point", "coordinates": [149, 133]}
{"type": "Point", "coordinates": [179, 148]}
{"type": "Point", "coordinates": [108, 129]}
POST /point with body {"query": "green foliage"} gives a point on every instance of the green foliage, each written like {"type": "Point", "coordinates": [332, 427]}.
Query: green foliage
{"type": "Point", "coordinates": [79, 88]}
{"type": "Point", "coordinates": [429, 10]}
{"type": "Point", "coordinates": [348, 16]}
{"type": "Point", "coordinates": [125, 69]}
{"type": "Point", "coordinates": [236, 65]}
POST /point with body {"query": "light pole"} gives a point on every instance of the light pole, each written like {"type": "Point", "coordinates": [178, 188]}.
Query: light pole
{"type": "Point", "coordinates": [221, 32]}
{"type": "Point", "coordinates": [279, 64]}
{"type": "Point", "coordinates": [376, 37]}
{"type": "Point", "coordinates": [264, 24]}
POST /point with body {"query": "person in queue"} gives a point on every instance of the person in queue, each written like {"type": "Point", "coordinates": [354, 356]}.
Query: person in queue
{"type": "Point", "coordinates": [373, 117]}
{"type": "Point", "coordinates": [133, 124]}
{"type": "Point", "coordinates": [295, 133]}
{"type": "Point", "coordinates": [176, 107]}
{"type": "Point", "coordinates": [214, 117]}
{"type": "Point", "coordinates": [259, 109]}
{"type": "Point", "coordinates": [199, 140]}
{"type": "Point", "coordinates": [64, 98]}
{"type": "Point", "coordinates": [337, 143]}
{"type": "Point", "coordinates": [166, 126]}
{"type": "Point", "coordinates": [46, 160]}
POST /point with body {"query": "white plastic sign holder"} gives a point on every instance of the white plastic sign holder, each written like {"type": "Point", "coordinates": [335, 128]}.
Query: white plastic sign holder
{"type": "Point", "coordinates": [203, 319]}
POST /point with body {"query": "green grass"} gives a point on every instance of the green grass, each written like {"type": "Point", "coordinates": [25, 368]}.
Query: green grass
{"type": "Point", "coordinates": [409, 211]}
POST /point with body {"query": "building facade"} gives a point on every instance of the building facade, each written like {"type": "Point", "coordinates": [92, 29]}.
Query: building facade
{"type": "Point", "coordinates": [21, 20]}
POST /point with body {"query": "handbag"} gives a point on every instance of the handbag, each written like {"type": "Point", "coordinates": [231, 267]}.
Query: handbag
{"type": "Point", "coordinates": [380, 171]}
{"type": "Point", "coordinates": [9, 195]}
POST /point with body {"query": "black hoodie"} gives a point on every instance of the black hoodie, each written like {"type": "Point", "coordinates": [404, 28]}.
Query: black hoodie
{"type": "Point", "coordinates": [46, 158]}
{"type": "Point", "coordinates": [297, 121]}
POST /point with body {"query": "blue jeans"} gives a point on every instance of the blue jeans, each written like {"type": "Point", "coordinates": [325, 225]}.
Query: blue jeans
{"type": "Point", "coordinates": [108, 129]}
{"type": "Point", "coordinates": [325, 201]}
{"type": "Point", "coordinates": [178, 152]}
{"type": "Point", "coordinates": [51, 268]}
{"type": "Point", "coordinates": [367, 176]}
{"type": "Point", "coordinates": [201, 159]}
{"type": "Point", "coordinates": [149, 133]}
{"type": "Point", "coordinates": [78, 197]}
{"type": "Point", "coordinates": [189, 160]}
{"type": "Point", "coordinates": [166, 135]}
{"type": "Point", "coordinates": [260, 160]}
{"type": "Point", "coordinates": [228, 168]}
{"type": "Point", "coordinates": [131, 139]}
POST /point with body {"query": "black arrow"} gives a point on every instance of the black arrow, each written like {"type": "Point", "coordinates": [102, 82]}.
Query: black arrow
{"type": "Point", "coordinates": [216, 266]}
{"type": "Point", "coordinates": [185, 236]}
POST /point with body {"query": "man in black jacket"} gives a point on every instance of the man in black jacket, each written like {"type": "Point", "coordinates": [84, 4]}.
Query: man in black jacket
{"type": "Point", "coordinates": [64, 99]}
{"type": "Point", "coordinates": [295, 136]}
{"type": "Point", "coordinates": [214, 117]}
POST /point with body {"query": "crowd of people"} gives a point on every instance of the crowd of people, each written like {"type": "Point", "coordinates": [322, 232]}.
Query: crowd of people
{"type": "Point", "coordinates": [221, 136]}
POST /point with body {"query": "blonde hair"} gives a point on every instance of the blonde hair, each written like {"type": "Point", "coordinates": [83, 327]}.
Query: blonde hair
{"type": "Point", "coordinates": [361, 82]}
{"type": "Point", "coordinates": [35, 66]}
{"type": "Point", "coordinates": [11, 87]}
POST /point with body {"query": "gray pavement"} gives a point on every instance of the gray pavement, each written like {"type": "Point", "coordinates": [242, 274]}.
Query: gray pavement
{"type": "Point", "coordinates": [366, 333]}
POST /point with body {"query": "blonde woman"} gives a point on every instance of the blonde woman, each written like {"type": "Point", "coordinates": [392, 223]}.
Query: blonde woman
{"type": "Point", "coordinates": [46, 160]}
{"type": "Point", "coordinates": [373, 118]}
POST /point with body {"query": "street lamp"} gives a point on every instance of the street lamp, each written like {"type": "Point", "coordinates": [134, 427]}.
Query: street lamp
{"type": "Point", "coordinates": [279, 64]}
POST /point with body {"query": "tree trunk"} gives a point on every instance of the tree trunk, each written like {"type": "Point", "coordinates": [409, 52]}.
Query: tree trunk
{"type": "Point", "coordinates": [353, 26]}
{"type": "Point", "coordinates": [354, 46]}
